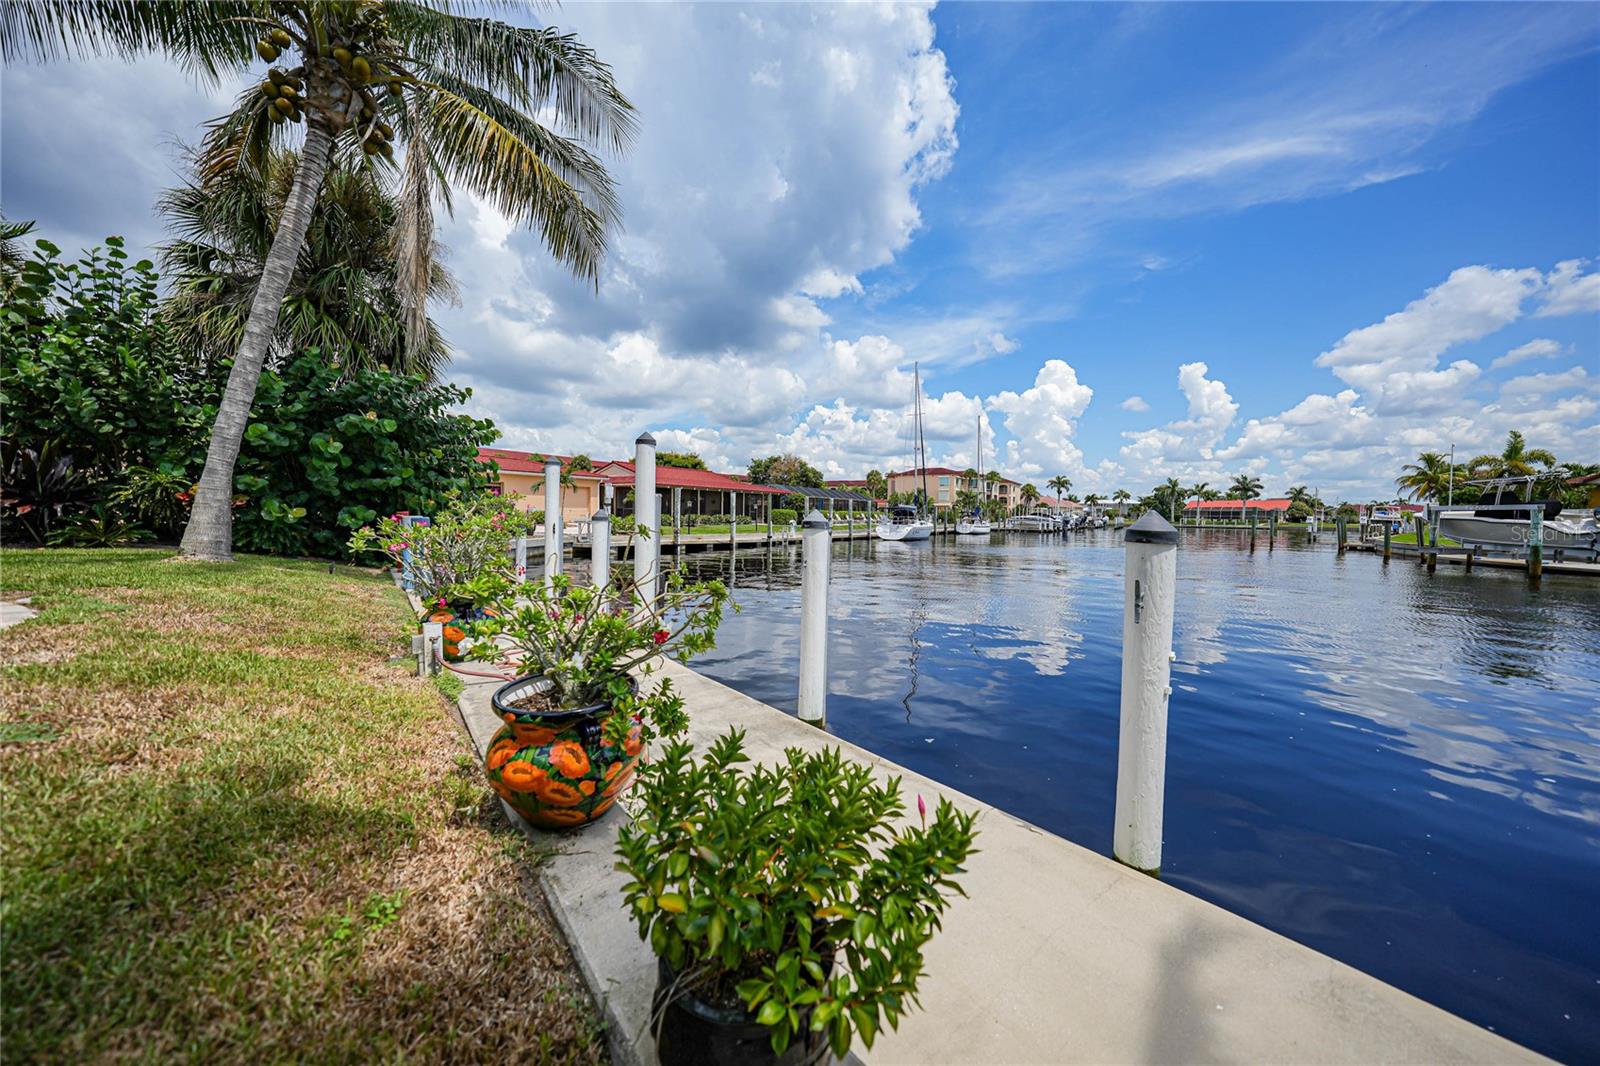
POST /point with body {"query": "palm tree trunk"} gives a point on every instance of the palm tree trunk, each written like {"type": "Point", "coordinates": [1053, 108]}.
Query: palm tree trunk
{"type": "Point", "coordinates": [209, 535]}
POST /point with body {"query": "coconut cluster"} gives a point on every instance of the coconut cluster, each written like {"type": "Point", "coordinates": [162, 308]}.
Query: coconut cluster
{"type": "Point", "coordinates": [285, 90]}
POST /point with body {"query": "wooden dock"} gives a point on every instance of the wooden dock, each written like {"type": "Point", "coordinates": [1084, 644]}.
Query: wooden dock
{"type": "Point", "coordinates": [1459, 557]}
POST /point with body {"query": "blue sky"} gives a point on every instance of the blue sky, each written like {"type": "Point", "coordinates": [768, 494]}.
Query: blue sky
{"type": "Point", "coordinates": [1133, 241]}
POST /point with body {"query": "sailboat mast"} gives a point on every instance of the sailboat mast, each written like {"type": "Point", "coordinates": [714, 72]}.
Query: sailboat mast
{"type": "Point", "coordinates": [922, 440]}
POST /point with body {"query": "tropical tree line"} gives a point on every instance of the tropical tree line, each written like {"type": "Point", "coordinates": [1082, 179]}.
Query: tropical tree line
{"type": "Point", "coordinates": [1434, 479]}
{"type": "Point", "coordinates": [108, 409]}
{"type": "Point", "coordinates": [513, 114]}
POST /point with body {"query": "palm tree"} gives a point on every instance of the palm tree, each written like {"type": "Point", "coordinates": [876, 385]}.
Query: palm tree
{"type": "Point", "coordinates": [1061, 484]}
{"type": "Point", "coordinates": [1244, 489]}
{"type": "Point", "coordinates": [1170, 491]}
{"type": "Point", "coordinates": [1301, 494]}
{"type": "Point", "coordinates": [1426, 479]}
{"type": "Point", "coordinates": [1091, 500]}
{"type": "Point", "coordinates": [346, 297]}
{"type": "Point", "coordinates": [1122, 496]}
{"type": "Point", "coordinates": [1030, 494]}
{"type": "Point", "coordinates": [465, 95]}
{"type": "Point", "coordinates": [11, 254]}
{"type": "Point", "coordinates": [1515, 461]}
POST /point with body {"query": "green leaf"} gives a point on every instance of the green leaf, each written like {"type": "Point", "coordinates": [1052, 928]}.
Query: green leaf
{"type": "Point", "coordinates": [770, 1012]}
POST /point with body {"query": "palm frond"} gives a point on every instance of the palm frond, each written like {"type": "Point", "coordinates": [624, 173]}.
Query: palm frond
{"type": "Point", "coordinates": [206, 36]}
{"type": "Point", "coordinates": [532, 68]}
{"type": "Point", "coordinates": [532, 175]}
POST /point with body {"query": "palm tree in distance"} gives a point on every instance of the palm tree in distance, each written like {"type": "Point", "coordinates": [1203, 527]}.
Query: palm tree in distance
{"type": "Point", "coordinates": [1426, 479]}
{"type": "Point", "coordinates": [1030, 494]}
{"type": "Point", "coordinates": [468, 97]}
{"type": "Point", "coordinates": [1516, 460]}
{"type": "Point", "coordinates": [1172, 490]}
{"type": "Point", "coordinates": [1244, 489]}
{"type": "Point", "coordinates": [346, 297]}
{"type": "Point", "coordinates": [1060, 483]}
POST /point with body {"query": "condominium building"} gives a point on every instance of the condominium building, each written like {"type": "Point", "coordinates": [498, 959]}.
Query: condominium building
{"type": "Point", "coordinates": [945, 485]}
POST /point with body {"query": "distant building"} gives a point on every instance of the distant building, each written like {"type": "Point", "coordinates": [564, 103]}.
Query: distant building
{"type": "Point", "coordinates": [945, 485]}
{"type": "Point", "coordinates": [1233, 510]}
{"type": "Point", "coordinates": [521, 477]}
{"type": "Point", "coordinates": [697, 492]}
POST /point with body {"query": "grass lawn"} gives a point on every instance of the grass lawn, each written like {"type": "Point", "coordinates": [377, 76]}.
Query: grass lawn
{"type": "Point", "coordinates": [234, 830]}
{"type": "Point", "coordinates": [1411, 538]}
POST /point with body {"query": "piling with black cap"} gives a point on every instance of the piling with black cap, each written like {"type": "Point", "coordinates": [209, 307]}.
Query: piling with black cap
{"type": "Point", "coordinates": [1150, 591]}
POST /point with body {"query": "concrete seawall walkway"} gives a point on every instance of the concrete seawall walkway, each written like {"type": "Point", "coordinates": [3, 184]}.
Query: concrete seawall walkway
{"type": "Point", "coordinates": [1058, 955]}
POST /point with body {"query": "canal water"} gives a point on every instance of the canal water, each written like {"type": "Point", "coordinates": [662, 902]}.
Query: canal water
{"type": "Point", "coordinates": [1397, 769]}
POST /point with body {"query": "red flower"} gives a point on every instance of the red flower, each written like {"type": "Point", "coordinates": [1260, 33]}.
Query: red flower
{"type": "Point", "coordinates": [660, 636]}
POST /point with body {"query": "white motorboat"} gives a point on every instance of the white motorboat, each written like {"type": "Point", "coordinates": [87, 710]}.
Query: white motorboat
{"type": "Point", "coordinates": [1509, 527]}
{"type": "Point", "coordinates": [1034, 522]}
{"type": "Point", "coordinates": [975, 524]}
{"type": "Point", "coordinates": [903, 523]}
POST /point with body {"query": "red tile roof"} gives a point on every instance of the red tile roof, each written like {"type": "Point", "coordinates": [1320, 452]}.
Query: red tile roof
{"type": "Point", "coordinates": [679, 477]}
{"type": "Point", "coordinates": [930, 470]}
{"type": "Point", "coordinates": [1233, 505]}
{"type": "Point", "coordinates": [529, 462]}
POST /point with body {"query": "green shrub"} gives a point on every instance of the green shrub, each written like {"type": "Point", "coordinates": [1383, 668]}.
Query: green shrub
{"type": "Point", "coordinates": [792, 887]}
{"type": "Point", "coordinates": [91, 380]}
{"type": "Point", "coordinates": [782, 516]}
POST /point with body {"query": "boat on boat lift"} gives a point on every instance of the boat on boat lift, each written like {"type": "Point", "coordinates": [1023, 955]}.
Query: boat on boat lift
{"type": "Point", "coordinates": [1507, 525]}
{"type": "Point", "coordinates": [1038, 521]}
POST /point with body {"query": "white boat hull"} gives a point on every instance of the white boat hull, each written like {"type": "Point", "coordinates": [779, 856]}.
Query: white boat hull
{"type": "Point", "coordinates": [904, 531]}
{"type": "Point", "coordinates": [1572, 531]}
{"type": "Point", "coordinates": [967, 528]}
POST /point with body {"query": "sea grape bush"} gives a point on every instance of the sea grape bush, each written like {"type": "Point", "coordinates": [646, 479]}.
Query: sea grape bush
{"type": "Point", "coordinates": [794, 886]}
{"type": "Point", "coordinates": [329, 451]}
{"type": "Point", "coordinates": [92, 381]}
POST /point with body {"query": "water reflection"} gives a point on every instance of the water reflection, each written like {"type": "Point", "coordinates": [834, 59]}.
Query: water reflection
{"type": "Point", "coordinates": [1400, 769]}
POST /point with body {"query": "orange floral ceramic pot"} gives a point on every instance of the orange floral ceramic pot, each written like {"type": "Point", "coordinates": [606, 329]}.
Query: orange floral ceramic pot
{"type": "Point", "coordinates": [453, 619]}
{"type": "Point", "coordinates": [555, 767]}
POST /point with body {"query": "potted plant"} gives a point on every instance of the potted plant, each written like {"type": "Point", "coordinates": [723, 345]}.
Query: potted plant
{"type": "Point", "coordinates": [584, 707]}
{"type": "Point", "coordinates": [788, 906]}
{"type": "Point", "coordinates": [468, 541]}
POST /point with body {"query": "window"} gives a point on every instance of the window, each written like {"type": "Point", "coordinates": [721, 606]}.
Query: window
{"type": "Point", "coordinates": [944, 482]}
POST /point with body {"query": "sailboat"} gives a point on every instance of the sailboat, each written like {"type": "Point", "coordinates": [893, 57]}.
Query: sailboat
{"type": "Point", "coordinates": [903, 522]}
{"type": "Point", "coordinates": [975, 524]}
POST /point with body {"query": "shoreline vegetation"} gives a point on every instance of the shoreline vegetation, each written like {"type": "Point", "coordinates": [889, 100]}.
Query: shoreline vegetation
{"type": "Point", "coordinates": [237, 829]}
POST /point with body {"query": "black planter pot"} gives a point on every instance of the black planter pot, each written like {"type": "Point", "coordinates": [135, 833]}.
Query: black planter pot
{"type": "Point", "coordinates": [694, 1033]}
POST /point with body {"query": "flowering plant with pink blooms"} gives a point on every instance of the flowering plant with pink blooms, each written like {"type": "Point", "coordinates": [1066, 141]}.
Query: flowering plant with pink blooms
{"type": "Point", "coordinates": [465, 547]}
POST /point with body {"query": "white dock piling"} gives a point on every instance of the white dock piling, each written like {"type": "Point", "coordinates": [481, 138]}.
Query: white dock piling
{"type": "Point", "coordinates": [1150, 587]}
{"type": "Point", "coordinates": [600, 548]}
{"type": "Point", "coordinates": [816, 542]}
{"type": "Point", "coordinates": [552, 519]}
{"type": "Point", "coordinates": [646, 526]}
